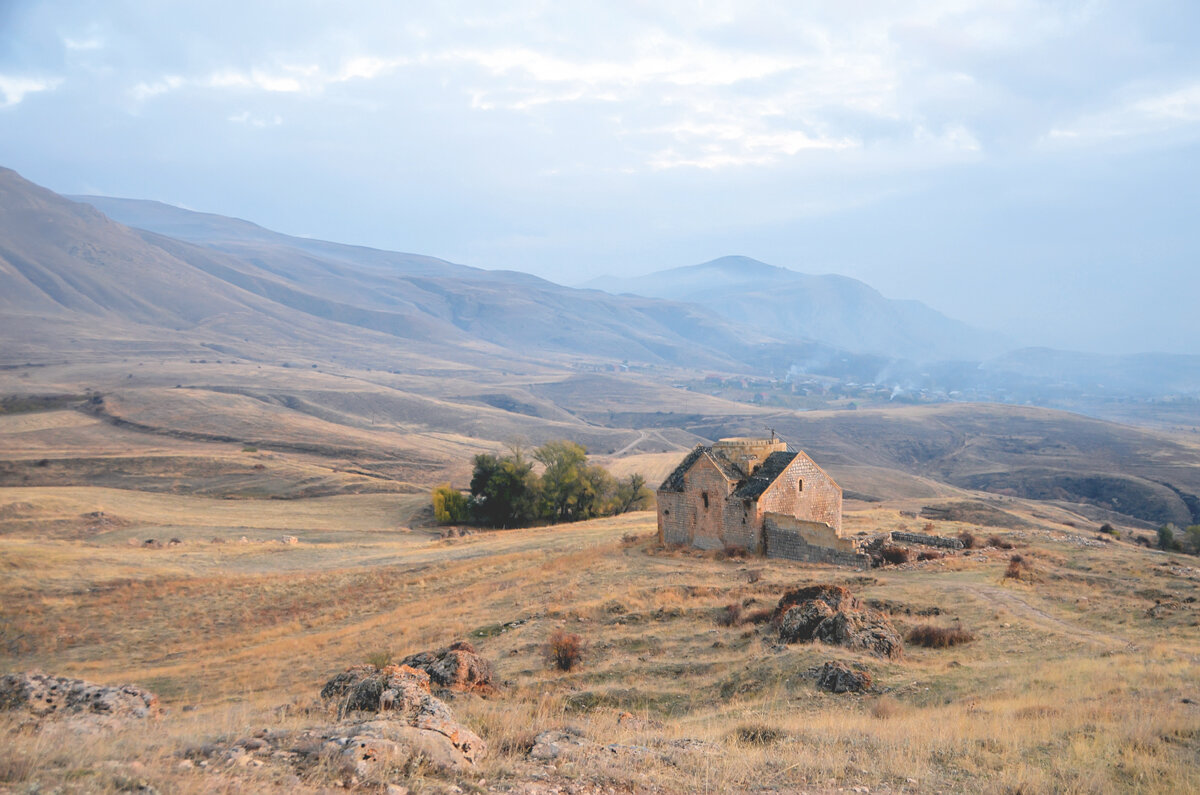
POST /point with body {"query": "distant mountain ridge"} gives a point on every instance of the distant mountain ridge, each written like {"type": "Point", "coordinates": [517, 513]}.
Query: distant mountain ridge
{"type": "Point", "coordinates": [830, 309]}
{"type": "Point", "coordinates": [70, 275]}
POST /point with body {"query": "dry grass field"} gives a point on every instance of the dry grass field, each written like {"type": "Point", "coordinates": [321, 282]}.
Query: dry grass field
{"type": "Point", "coordinates": [1082, 676]}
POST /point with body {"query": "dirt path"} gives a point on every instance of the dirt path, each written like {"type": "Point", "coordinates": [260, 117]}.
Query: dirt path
{"type": "Point", "coordinates": [642, 436]}
{"type": "Point", "coordinates": [1018, 606]}
{"type": "Point", "coordinates": [653, 435]}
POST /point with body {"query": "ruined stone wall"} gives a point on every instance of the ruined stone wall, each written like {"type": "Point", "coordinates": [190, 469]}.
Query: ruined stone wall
{"type": "Point", "coordinates": [820, 499]}
{"type": "Point", "coordinates": [785, 537]}
{"type": "Point", "coordinates": [818, 534]}
{"type": "Point", "coordinates": [927, 540]}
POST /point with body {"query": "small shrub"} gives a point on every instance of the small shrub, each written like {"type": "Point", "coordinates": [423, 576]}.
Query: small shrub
{"type": "Point", "coordinates": [732, 552]}
{"type": "Point", "coordinates": [249, 448]}
{"type": "Point", "coordinates": [758, 734]}
{"type": "Point", "coordinates": [564, 650]}
{"type": "Point", "coordinates": [929, 527]}
{"type": "Point", "coordinates": [379, 659]}
{"type": "Point", "coordinates": [1109, 530]}
{"type": "Point", "coordinates": [760, 616]}
{"type": "Point", "coordinates": [934, 637]}
{"type": "Point", "coordinates": [730, 615]}
{"type": "Point", "coordinates": [450, 506]}
{"type": "Point", "coordinates": [1167, 540]}
{"type": "Point", "coordinates": [999, 543]}
{"type": "Point", "coordinates": [1018, 568]}
{"type": "Point", "coordinates": [895, 555]}
{"type": "Point", "coordinates": [930, 554]}
{"type": "Point", "coordinates": [969, 541]}
{"type": "Point", "coordinates": [885, 707]}
{"type": "Point", "coordinates": [630, 538]}
{"type": "Point", "coordinates": [1191, 539]}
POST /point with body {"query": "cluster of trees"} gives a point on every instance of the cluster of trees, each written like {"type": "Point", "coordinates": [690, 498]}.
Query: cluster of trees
{"type": "Point", "coordinates": [505, 491]}
{"type": "Point", "coordinates": [1172, 539]}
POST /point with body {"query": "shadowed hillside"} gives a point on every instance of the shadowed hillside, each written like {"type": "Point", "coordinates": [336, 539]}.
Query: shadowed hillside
{"type": "Point", "coordinates": [1009, 450]}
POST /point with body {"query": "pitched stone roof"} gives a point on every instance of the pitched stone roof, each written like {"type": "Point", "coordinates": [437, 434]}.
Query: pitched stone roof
{"type": "Point", "coordinates": [674, 481]}
{"type": "Point", "coordinates": [765, 475]}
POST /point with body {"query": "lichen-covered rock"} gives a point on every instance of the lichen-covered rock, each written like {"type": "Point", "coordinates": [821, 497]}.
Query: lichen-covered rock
{"type": "Point", "coordinates": [868, 630]}
{"type": "Point", "coordinates": [82, 704]}
{"type": "Point", "coordinates": [356, 751]}
{"type": "Point", "coordinates": [363, 749]}
{"type": "Point", "coordinates": [837, 677]}
{"type": "Point", "coordinates": [801, 622]}
{"type": "Point", "coordinates": [457, 667]}
{"type": "Point", "coordinates": [831, 614]}
{"type": "Point", "coordinates": [400, 693]}
{"type": "Point", "coordinates": [835, 597]}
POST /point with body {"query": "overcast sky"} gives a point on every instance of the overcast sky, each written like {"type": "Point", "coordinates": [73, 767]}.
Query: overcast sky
{"type": "Point", "coordinates": [1032, 167]}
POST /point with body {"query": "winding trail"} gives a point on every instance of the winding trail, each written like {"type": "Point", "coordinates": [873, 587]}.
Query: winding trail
{"type": "Point", "coordinates": [1018, 606]}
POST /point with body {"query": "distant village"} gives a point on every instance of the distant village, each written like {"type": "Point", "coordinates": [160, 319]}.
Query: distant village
{"type": "Point", "coordinates": [798, 391]}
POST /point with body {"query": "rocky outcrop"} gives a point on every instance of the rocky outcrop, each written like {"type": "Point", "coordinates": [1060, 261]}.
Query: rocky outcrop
{"type": "Point", "coordinates": [837, 677]}
{"type": "Point", "coordinates": [831, 614]}
{"type": "Point", "coordinates": [567, 744]}
{"type": "Point", "coordinates": [360, 751]}
{"type": "Point", "coordinates": [81, 704]}
{"type": "Point", "coordinates": [401, 696]}
{"type": "Point", "coordinates": [457, 667]}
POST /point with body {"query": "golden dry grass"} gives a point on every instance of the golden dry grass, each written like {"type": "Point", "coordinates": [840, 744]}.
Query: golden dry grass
{"type": "Point", "coordinates": [1073, 683]}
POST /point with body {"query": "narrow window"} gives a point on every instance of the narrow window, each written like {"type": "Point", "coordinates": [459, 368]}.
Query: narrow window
{"type": "Point", "coordinates": [799, 485]}
{"type": "Point", "coordinates": [704, 495]}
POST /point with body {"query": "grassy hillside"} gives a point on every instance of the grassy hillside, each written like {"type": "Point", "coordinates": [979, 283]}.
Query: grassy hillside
{"type": "Point", "coordinates": [1080, 678]}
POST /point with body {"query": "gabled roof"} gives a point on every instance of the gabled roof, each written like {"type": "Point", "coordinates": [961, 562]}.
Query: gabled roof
{"type": "Point", "coordinates": [674, 481]}
{"type": "Point", "coordinates": [765, 475]}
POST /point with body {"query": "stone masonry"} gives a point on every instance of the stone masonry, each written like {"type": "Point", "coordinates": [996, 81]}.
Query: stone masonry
{"type": "Point", "coordinates": [721, 495]}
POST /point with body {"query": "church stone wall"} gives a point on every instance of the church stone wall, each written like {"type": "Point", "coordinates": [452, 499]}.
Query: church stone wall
{"type": "Point", "coordinates": [803, 489]}
{"type": "Point", "coordinates": [699, 507]}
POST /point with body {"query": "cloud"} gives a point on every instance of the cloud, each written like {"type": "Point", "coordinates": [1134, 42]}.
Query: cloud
{"type": "Point", "coordinates": [144, 91]}
{"type": "Point", "coordinates": [14, 89]}
{"type": "Point", "coordinates": [83, 44]}
{"type": "Point", "coordinates": [1146, 116]}
{"type": "Point", "coordinates": [284, 79]}
{"type": "Point", "coordinates": [256, 120]}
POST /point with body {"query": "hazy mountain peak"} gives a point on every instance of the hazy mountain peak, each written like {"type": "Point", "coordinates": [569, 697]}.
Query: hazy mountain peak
{"type": "Point", "coordinates": [835, 310]}
{"type": "Point", "coordinates": [739, 267]}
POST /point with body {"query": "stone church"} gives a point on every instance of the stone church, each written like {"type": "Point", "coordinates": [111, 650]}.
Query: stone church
{"type": "Point", "coordinates": [756, 495]}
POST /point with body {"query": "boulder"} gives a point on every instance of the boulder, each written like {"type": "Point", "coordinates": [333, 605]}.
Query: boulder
{"type": "Point", "coordinates": [457, 667]}
{"type": "Point", "coordinates": [84, 705]}
{"type": "Point", "coordinates": [837, 677]}
{"type": "Point", "coordinates": [831, 614]}
{"type": "Point", "coordinates": [362, 749]}
{"type": "Point", "coordinates": [401, 694]}
{"type": "Point", "coordinates": [550, 745]}
{"type": "Point", "coordinates": [835, 597]}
